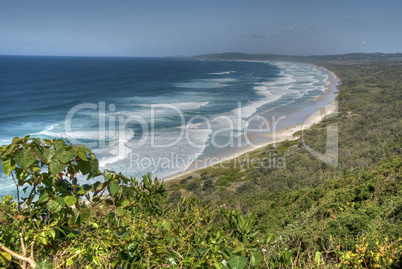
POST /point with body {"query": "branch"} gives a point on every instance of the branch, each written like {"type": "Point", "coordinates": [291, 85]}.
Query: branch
{"type": "Point", "coordinates": [149, 257]}
{"type": "Point", "coordinates": [18, 192]}
{"type": "Point", "coordinates": [26, 200]}
{"type": "Point", "coordinates": [297, 256]}
{"type": "Point", "coordinates": [32, 249]}
{"type": "Point", "coordinates": [181, 257]}
{"type": "Point", "coordinates": [24, 250]}
{"type": "Point", "coordinates": [31, 261]}
{"type": "Point", "coordinates": [265, 258]}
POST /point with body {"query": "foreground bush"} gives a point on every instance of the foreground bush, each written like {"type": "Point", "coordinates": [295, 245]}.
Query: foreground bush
{"type": "Point", "coordinates": [118, 222]}
{"type": "Point", "coordinates": [114, 222]}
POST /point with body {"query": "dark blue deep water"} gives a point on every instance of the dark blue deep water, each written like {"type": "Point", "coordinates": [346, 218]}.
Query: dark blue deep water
{"type": "Point", "coordinates": [147, 114]}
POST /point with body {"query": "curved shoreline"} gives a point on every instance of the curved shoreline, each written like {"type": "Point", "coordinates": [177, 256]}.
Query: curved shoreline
{"type": "Point", "coordinates": [275, 136]}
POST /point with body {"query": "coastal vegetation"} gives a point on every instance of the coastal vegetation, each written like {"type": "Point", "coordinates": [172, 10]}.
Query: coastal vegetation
{"type": "Point", "coordinates": [116, 222]}
{"type": "Point", "coordinates": [308, 204]}
{"type": "Point", "coordinates": [306, 214]}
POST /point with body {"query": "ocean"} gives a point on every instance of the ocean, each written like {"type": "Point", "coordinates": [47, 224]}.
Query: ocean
{"type": "Point", "coordinates": [156, 115]}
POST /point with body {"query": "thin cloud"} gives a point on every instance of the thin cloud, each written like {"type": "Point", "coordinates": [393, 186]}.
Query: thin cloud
{"type": "Point", "coordinates": [258, 35]}
{"type": "Point", "coordinates": [290, 29]}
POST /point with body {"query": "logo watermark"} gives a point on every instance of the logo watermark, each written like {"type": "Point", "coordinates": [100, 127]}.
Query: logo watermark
{"type": "Point", "coordinates": [330, 156]}
{"type": "Point", "coordinates": [178, 162]}
{"type": "Point", "coordinates": [126, 134]}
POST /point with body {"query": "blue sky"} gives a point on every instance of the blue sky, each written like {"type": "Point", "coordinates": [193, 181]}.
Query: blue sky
{"type": "Point", "coordinates": [192, 27]}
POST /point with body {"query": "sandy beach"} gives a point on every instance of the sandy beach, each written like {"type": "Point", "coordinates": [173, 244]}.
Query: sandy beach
{"type": "Point", "coordinates": [275, 136]}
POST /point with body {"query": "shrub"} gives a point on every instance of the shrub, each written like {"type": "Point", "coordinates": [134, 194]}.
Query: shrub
{"type": "Point", "coordinates": [114, 222]}
{"type": "Point", "coordinates": [194, 186]}
{"type": "Point", "coordinates": [208, 185]}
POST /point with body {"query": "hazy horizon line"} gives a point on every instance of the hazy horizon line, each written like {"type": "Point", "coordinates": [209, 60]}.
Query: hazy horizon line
{"type": "Point", "coordinates": [197, 55]}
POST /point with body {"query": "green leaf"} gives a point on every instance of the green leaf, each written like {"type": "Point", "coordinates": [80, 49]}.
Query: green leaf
{"type": "Point", "coordinates": [70, 200]}
{"type": "Point", "coordinates": [161, 248]}
{"type": "Point", "coordinates": [9, 149]}
{"type": "Point", "coordinates": [72, 222]}
{"type": "Point", "coordinates": [188, 260]}
{"type": "Point", "coordinates": [44, 197]}
{"type": "Point", "coordinates": [39, 153]}
{"type": "Point", "coordinates": [238, 248]}
{"type": "Point", "coordinates": [113, 187]}
{"type": "Point", "coordinates": [16, 140]}
{"type": "Point", "coordinates": [229, 250]}
{"type": "Point", "coordinates": [317, 258]}
{"type": "Point", "coordinates": [268, 238]}
{"type": "Point", "coordinates": [84, 167]}
{"type": "Point", "coordinates": [3, 148]}
{"type": "Point", "coordinates": [48, 154]}
{"type": "Point", "coordinates": [225, 264]}
{"type": "Point", "coordinates": [53, 206]}
{"type": "Point", "coordinates": [225, 253]}
{"type": "Point", "coordinates": [51, 233]}
{"type": "Point", "coordinates": [82, 155]}
{"type": "Point", "coordinates": [125, 203]}
{"type": "Point", "coordinates": [255, 259]}
{"type": "Point", "coordinates": [94, 167]}
{"type": "Point", "coordinates": [5, 258]}
{"type": "Point", "coordinates": [42, 238]}
{"type": "Point", "coordinates": [8, 166]}
{"type": "Point", "coordinates": [120, 211]}
{"type": "Point", "coordinates": [48, 142]}
{"type": "Point", "coordinates": [82, 148]}
{"type": "Point", "coordinates": [84, 214]}
{"type": "Point", "coordinates": [55, 167]}
{"type": "Point", "coordinates": [36, 141]}
{"type": "Point", "coordinates": [167, 225]}
{"type": "Point", "coordinates": [215, 248]}
{"type": "Point", "coordinates": [286, 258]}
{"type": "Point", "coordinates": [25, 159]}
{"type": "Point", "coordinates": [36, 169]}
{"type": "Point", "coordinates": [61, 202]}
{"type": "Point", "coordinates": [59, 144]}
{"type": "Point", "coordinates": [71, 235]}
{"type": "Point", "coordinates": [237, 262]}
{"type": "Point", "coordinates": [69, 262]}
{"type": "Point", "coordinates": [64, 156]}
{"type": "Point", "coordinates": [97, 186]}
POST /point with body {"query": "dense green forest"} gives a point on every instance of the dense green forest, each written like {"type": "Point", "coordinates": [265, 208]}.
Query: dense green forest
{"type": "Point", "coordinates": [308, 215]}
